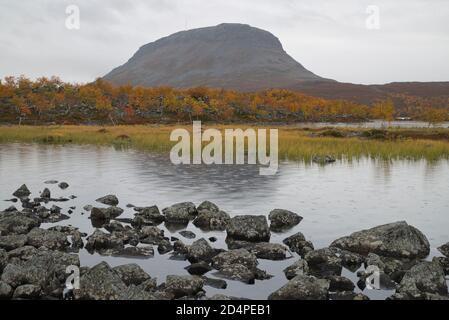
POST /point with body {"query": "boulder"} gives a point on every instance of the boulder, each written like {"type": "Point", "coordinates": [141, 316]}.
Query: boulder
{"type": "Point", "coordinates": [248, 228]}
{"type": "Point", "coordinates": [238, 272]}
{"type": "Point", "coordinates": [105, 214]}
{"type": "Point", "coordinates": [215, 283]}
{"type": "Point", "coordinates": [100, 283]}
{"type": "Point", "coordinates": [339, 283]}
{"type": "Point", "coordinates": [180, 212]}
{"type": "Point", "coordinates": [6, 291]}
{"type": "Point", "coordinates": [13, 241]}
{"type": "Point", "coordinates": [300, 267]}
{"type": "Point", "coordinates": [17, 223]}
{"type": "Point", "coordinates": [283, 219]}
{"type": "Point", "coordinates": [131, 274]}
{"type": "Point", "coordinates": [22, 192]}
{"type": "Point", "coordinates": [422, 279]}
{"type": "Point", "coordinates": [394, 268]}
{"type": "Point", "coordinates": [110, 200]}
{"type": "Point", "coordinates": [148, 216]}
{"type": "Point", "coordinates": [238, 256]}
{"type": "Point", "coordinates": [45, 194]}
{"type": "Point", "coordinates": [444, 262]}
{"type": "Point", "coordinates": [200, 250]}
{"type": "Point", "coordinates": [302, 287]}
{"type": "Point", "coordinates": [347, 295]}
{"type": "Point", "coordinates": [27, 291]}
{"type": "Point", "coordinates": [444, 249]}
{"type": "Point", "coordinates": [298, 243]}
{"type": "Point", "coordinates": [151, 235]}
{"type": "Point", "coordinates": [269, 251]}
{"type": "Point", "coordinates": [135, 252]}
{"type": "Point", "coordinates": [3, 260]}
{"type": "Point", "coordinates": [182, 286]}
{"type": "Point", "coordinates": [212, 220]}
{"type": "Point", "coordinates": [398, 240]}
{"type": "Point", "coordinates": [198, 268]}
{"type": "Point", "coordinates": [208, 206]}
{"type": "Point", "coordinates": [105, 244]}
{"type": "Point", "coordinates": [52, 240]}
{"type": "Point", "coordinates": [323, 262]}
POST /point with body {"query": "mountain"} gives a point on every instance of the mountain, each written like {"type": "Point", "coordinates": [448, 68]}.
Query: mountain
{"type": "Point", "coordinates": [244, 58]}
{"type": "Point", "coordinates": [229, 56]}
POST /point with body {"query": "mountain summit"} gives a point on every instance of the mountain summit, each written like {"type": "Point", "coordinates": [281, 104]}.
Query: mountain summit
{"type": "Point", "coordinates": [229, 56]}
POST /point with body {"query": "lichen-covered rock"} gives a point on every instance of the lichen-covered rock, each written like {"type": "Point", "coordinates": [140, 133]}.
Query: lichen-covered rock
{"type": "Point", "coordinates": [238, 256]}
{"type": "Point", "coordinates": [212, 220]}
{"type": "Point", "coordinates": [17, 223]}
{"type": "Point", "coordinates": [398, 240]}
{"type": "Point", "coordinates": [27, 291]}
{"type": "Point", "coordinates": [135, 252]}
{"type": "Point", "coordinates": [424, 278]}
{"type": "Point", "coordinates": [181, 286]}
{"type": "Point", "coordinates": [283, 219]}
{"type": "Point", "coordinates": [100, 283]}
{"type": "Point", "coordinates": [269, 251]}
{"type": "Point", "coordinates": [298, 243]}
{"type": "Point", "coordinates": [444, 249]}
{"type": "Point", "coordinates": [394, 268]}
{"type": "Point", "coordinates": [444, 262]}
{"type": "Point", "coordinates": [13, 241]}
{"type": "Point", "coordinates": [52, 240]}
{"type": "Point", "coordinates": [208, 206]}
{"type": "Point", "coordinates": [105, 214]}
{"type": "Point", "coordinates": [6, 291]}
{"type": "Point", "coordinates": [323, 262]}
{"type": "Point", "coordinates": [300, 267]}
{"type": "Point", "coordinates": [248, 228]}
{"type": "Point", "coordinates": [147, 216]}
{"type": "Point", "coordinates": [200, 250]}
{"type": "Point", "coordinates": [104, 243]}
{"type": "Point", "coordinates": [132, 274]}
{"type": "Point", "coordinates": [347, 295]}
{"type": "Point", "coordinates": [3, 260]}
{"type": "Point", "coordinates": [302, 287]}
{"type": "Point", "coordinates": [238, 272]}
{"type": "Point", "coordinates": [339, 283]}
{"type": "Point", "coordinates": [110, 200]}
{"type": "Point", "coordinates": [199, 268]}
{"type": "Point", "coordinates": [180, 212]}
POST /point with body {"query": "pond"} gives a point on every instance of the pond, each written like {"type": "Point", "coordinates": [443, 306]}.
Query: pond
{"type": "Point", "coordinates": [334, 200]}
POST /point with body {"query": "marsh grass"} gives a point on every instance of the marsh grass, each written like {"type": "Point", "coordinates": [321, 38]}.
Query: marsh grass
{"type": "Point", "coordinates": [294, 143]}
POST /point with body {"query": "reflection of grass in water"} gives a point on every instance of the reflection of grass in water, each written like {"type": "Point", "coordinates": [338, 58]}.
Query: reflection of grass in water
{"type": "Point", "coordinates": [294, 143]}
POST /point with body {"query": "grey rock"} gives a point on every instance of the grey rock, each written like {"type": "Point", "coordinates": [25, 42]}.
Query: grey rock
{"type": "Point", "coordinates": [323, 159]}
{"type": "Point", "coordinates": [27, 291]}
{"type": "Point", "coordinates": [6, 291]}
{"type": "Point", "coordinates": [300, 267]}
{"type": "Point", "coordinates": [444, 262]}
{"type": "Point", "coordinates": [181, 286]}
{"type": "Point", "coordinates": [339, 283]}
{"type": "Point", "coordinates": [52, 240]}
{"type": "Point", "coordinates": [101, 283]}
{"type": "Point", "coordinates": [187, 234]}
{"type": "Point", "coordinates": [208, 206]}
{"type": "Point", "coordinates": [3, 260]}
{"type": "Point", "coordinates": [104, 243]}
{"type": "Point", "coordinates": [424, 278]}
{"type": "Point", "coordinates": [302, 287]}
{"type": "Point", "coordinates": [110, 200]}
{"type": "Point", "coordinates": [283, 219]}
{"type": "Point", "coordinates": [198, 268]}
{"type": "Point", "coordinates": [22, 192]}
{"type": "Point", "coordinates": [347, 295]}
{"type": "Point", "coordinates": [212, 220]}
{"type": "Point", "coordinates": [13, 241]}
{"type": "Point", "coordinates": [215, 283]}
{"type": "Point", "coordinates": [238, 272]}
{"type": "Point", "coordinates": [200, 250]}
{"type": "Point", "coordinates": [444, 249]}
{"type": "Point", "coordinates": [17, 223]}
{"type": "Point", "coordinates": [105, 214]}
{"type": "Point", "coordinates": [135, 252]}
{"type": "Point", "coordinates": [63, 185]}
{"type": "Point", "coordinates": [323, 262]}
{"type": "Point", "coordinates": [269, 251]}
{"type": "Point", "coordinates": [148, 216]}
{"type": "Point", "coordinates": [238, 256]}
{"type": "Point", "coordinates": [248, 228]}
{"type": "Point", "coordinates": [298, 243]}
{"type": "Point", "coordinates": [180, 212]}
{"type": "Point", "coordinates": [46, 194]}
{"type": "Point", "coordinates": [87, 207]}
{"type": "Point", "coordinates": [23, 253]}
{"type": "Point", "coordinates": [131, 274]}
{"type": "Point", "coordinates": [398, 240]}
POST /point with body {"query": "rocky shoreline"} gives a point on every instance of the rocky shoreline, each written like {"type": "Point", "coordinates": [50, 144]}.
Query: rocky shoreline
{"type": "Point", "coordinates": [34, 260]}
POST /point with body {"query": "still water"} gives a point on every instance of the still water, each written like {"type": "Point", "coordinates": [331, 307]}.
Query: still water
{"type": "Point", "coordinates": [334, 200]}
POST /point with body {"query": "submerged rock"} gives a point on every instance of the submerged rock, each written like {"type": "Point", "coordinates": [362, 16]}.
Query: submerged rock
{"type": "Point", "coordinates": [135, 252]}
{"type": "Point", "coordinates": [110, 200]}
{"type": "Point", "coordinates": [248, 228]}
{"type": "Point", "coordinates": [302, 287]}
{"type": "Point", "coordinates": [187, 234]}
{"type": "Point", "coordinates": [283, 219]}
{"type": "Point", "coordinates": [63, 185]}
{"type": "Point", "coordinates": [398, 240]}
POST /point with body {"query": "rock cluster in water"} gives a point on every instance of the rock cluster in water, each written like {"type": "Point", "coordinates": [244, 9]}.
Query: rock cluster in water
{"type": "Point", "coordinates": [34, 260]}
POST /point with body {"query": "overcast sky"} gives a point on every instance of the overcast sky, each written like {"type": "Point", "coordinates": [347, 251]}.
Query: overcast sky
{"type": "Point", "coordinates": [330, 38]}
